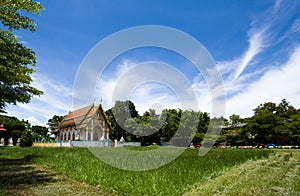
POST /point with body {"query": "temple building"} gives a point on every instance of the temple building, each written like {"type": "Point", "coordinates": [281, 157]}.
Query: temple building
{"type": "Point", "coordinates": [88, 123]}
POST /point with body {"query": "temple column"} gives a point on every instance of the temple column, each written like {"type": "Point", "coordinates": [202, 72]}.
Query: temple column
{"type": "Point", "coordinates": [72, 131]}
{"type": "Point", "coordinates": [67, 132]}
{"type": "Point", "coordinates": [107, 134]}
{"type": "Point", "coordinates": [77, 134]}
{"type": "Point", "coordinates": [86, 134]}
{"type": "Point", "coordinates": [92, 134]}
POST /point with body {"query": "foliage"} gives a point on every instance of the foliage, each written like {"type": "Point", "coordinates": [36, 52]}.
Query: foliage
{"type": "Point", "coordinates": [26, 139]}
{"type": "Point", "coordinates": [17, 62]}
{"type": "Point", "coordinates": [146, 128]}
{"type": "Point", "coordinates": [153, 128]}
{"type": "Point", "coordinates": [172, 179]}
{"type": "Point", "coordinates": [234, 120]}
{"type": "Point", "coordinates": [272, 123]}
{"type": "Point", "coordinates": [40, 132]}
{"type": "Point", "coordinates": [117, 115]}
{"type": "Point", "coordinates": [10, 123]}
{"type": "Point", "coordinates": [15, 135]}
{"type": "Point", "coordinates": [53, 122]}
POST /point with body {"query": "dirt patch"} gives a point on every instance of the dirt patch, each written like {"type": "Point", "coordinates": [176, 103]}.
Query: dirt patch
{"type": "Point", "coordinates": [21, 177]}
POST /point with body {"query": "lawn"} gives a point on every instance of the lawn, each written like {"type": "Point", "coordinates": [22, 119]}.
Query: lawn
{"type": "Point", "coordinates": [175, 178]}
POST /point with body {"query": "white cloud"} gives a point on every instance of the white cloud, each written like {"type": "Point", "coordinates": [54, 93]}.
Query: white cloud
{"type": "Point", "coordinates": [242, 93]}
{"type": "Point", "coordinates": [257, 42]}
{"type": "Point", "coordinates": [147, 85]}
{"type": "Point", "coordinates": [34, 121]}
{"type": "Point", "coordinates": [232, 71]}
{"type": "Point", "coordinates": [276, 84]}
{"type": "Point", "coordinates": [261, 35]}
{"type": "Point", "coordinates": [106, 85]}
{"type": "Point", "coordinates": [296, 26]}
{"type": "Point", "coordinates": [246, 90]}
{"type": "Point", "coordinates": [56, 100]}
{"type": "Point", "coordinates": [277, 5]}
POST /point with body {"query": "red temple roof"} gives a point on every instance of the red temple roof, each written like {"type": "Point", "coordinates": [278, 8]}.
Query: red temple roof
{"type": "Point", "coordinates": [81, 116]}
{"type": "Point", "coordinates": [77, 116]}
{"type": "Point", "coordinates": [2, 128]}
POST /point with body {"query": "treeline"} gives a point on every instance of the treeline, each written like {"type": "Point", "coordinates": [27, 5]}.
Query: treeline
{"type": "Point", "coordinates": [153, 128]}
{"type": "Point", "coordinates": [271, 123]}
{"type": "Point", "coordinates": [21, 130]}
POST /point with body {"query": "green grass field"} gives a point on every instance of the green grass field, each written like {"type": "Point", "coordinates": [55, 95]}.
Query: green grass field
{"type": "Point", "coordinates": [175, 178]}
{"type": "Point", "coordinates": [277, 175]}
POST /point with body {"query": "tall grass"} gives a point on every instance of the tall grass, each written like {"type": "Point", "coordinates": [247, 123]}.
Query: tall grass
{"type": "Point", "coordinates": [171, 179]}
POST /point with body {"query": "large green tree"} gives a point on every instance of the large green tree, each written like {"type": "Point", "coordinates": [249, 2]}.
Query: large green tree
{"type": "Point", "coordinates": [17, 62]}
{"type": "Point", "coordinates": [40, 132]}
{"type": "Point", "coordinates": [293, 125]}
{"type": "Point", "coordinates": [171, 120]}
{"type": "Point", "coordinates": [273, 123]}
{"type": "Point", "coordinates": [145, 128]}
{"type": "Point", "coordinates": [117, 116]}
{"type": "Point", "coordinates": [11, 123]}
{"type": "Point", "coordinates": [53, 122]}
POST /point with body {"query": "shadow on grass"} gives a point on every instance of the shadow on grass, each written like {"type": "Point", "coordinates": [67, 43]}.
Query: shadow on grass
{"type": "Point", "coordinates": [19, 174]}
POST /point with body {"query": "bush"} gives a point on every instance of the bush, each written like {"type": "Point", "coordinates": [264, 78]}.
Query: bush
{"type": "Point", "coordinates": [26, 139]}
{"type": "Point", "coordinates": [15, 134]}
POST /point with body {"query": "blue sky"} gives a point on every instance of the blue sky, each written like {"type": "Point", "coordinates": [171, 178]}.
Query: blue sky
{"type": "Point", "coordinates": [256, 45]}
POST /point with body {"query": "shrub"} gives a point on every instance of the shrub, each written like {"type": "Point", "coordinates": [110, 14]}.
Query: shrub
{"type": "Point", "coordinates": [15, 134]}
{"type": "Point", "coordinates": [26, 139]}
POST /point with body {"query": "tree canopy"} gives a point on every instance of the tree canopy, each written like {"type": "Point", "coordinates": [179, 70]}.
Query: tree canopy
{"type": "Point", "coordinates": [153, 128]}
{"type": "Point", "coordinates": [17, 62]}
{"type": "Point", "coordinates": [53, 122]}
{"type": "Point", "coordinates": [270, 123]}
{"type": "Point", "coordinates": [14, 128]}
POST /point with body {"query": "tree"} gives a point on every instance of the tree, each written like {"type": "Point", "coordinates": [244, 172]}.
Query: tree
{"type": "Point", "coordinates": [234, 120]}
{"type": "Point", "coordinates": [117, 116]}
{"type": "Point", "coordinates": [264, 123]}
{"type": "Point", "coordinates": [26, 139]}
{"type": "Point", "coordinates": [146, 128]}
{"type": "Point", "coordinates": [204, 120]}
{"type": "Point", "coordinates": [53, 122]}
{"type": "Point", "coordinates": [170, 122]}
{"type": "Point", "coordinates": [294, 126]}
{"type": "Point", "coordinates": [17, 62]}
{"type": "Point", "coordinates": [273, 123]}
{"type": "Point", "coordinates": [15, 135]}
{"type": "Point", "coordinates": [10, 123]}
{"type": "Point", "coordinates": [40, 132]}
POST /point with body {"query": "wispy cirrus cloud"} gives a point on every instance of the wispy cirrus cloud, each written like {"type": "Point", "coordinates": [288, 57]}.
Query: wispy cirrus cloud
{"type": "Point", "coordinates": [296, 26]}
{"type": "Point", "coordinates": [272, 81]}
{"type": "Point", "coordinates": [262, 35]}
{"type": "Point", "coordinates": [245, 89]}
{"type": "Point", "coordinates": [276, 84]}
{"type": "Point", "coordinates": [257, 42]}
